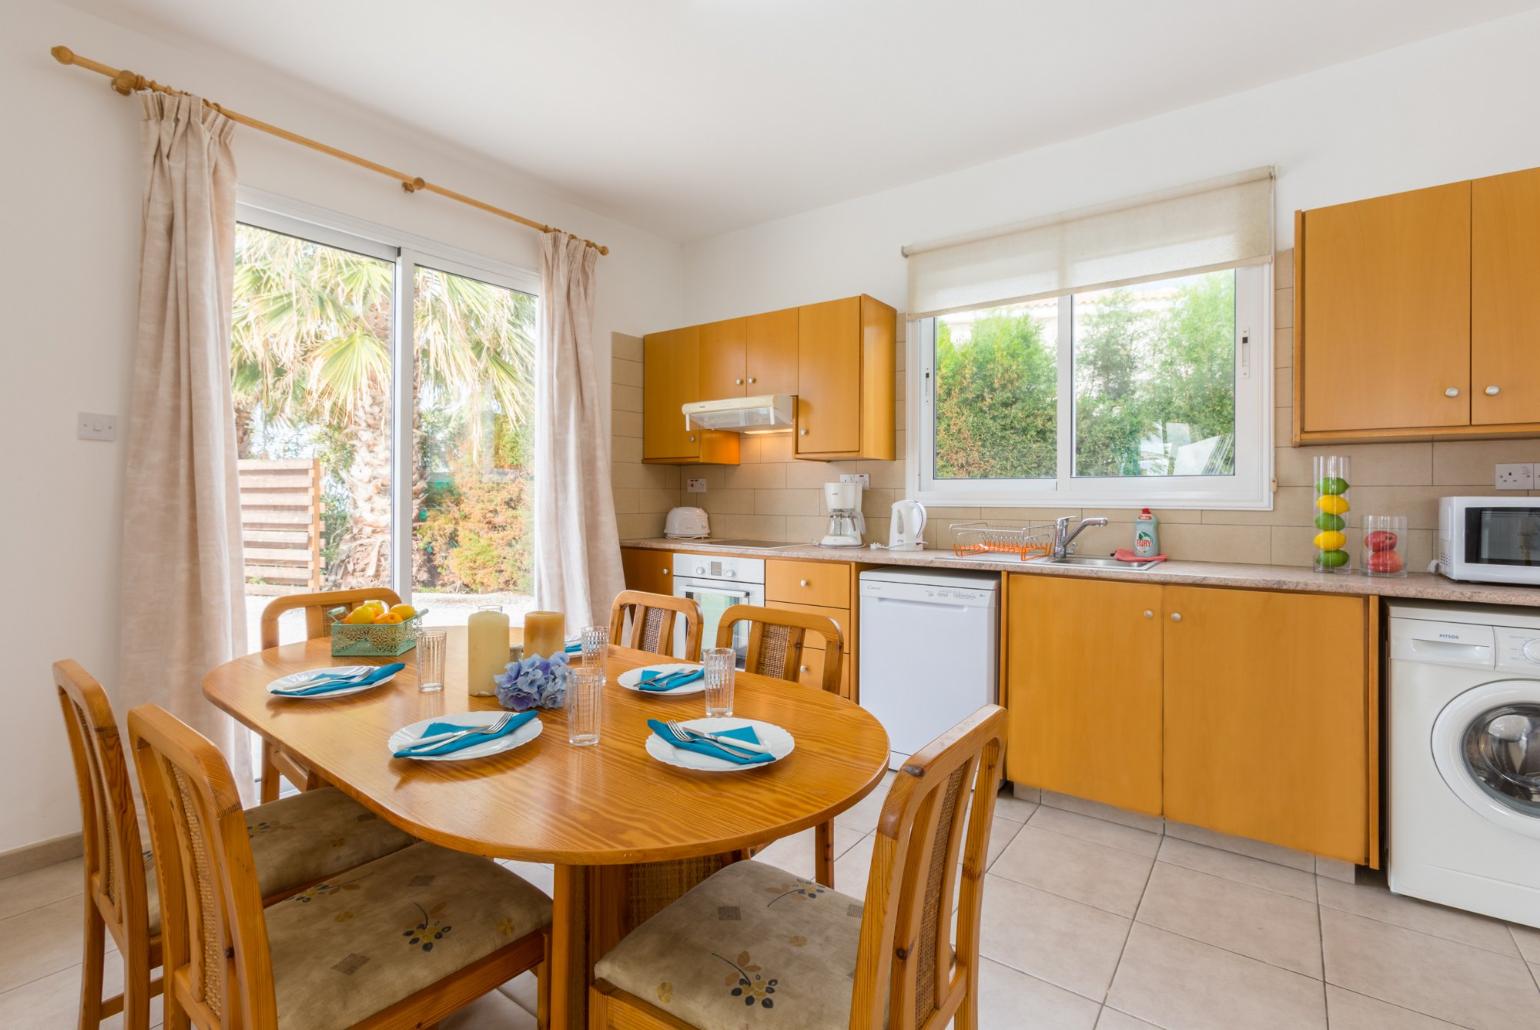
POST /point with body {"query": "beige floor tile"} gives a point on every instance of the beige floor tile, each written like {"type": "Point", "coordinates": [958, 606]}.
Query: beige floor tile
{"type": "Point", "coordinates": [54, 1001]}
{"type": "Point", "coordinates": [852, 868]}
{"type": "Point", "coordinates": [1080, 870]}
{"type": "Point", "coordinates": [1096, 830]}
{"type": "Point", "coordinates": [1528, 941]}
{"type": "Point", "coordinates": [1431, 975]}
{"type": "Point", "coordinates": [1336, 869]}
{"type": "Point", "coordinates": [1009, 806]}
{"type": "Point", "coordinates": [1106, 813]}
{"type": "Point", "coordinates": [1000, 837]}
{"type": "Point", "coordinates": [492, 1011]}
{"type": "Point", "coordinates": [40, 942]}
{"type": "Point", "coordinates": [1175, 982]}
{"type": "Point", "coordinates": [39, 887]}
{"type": "Point", "coordinates": [1294, 882]}
{"type": "Point", "coordinates": [862, 817]}
{"type": "Point", "coordinates": [1348, 1011]}
{"type": "Point", "coordinates": [1070, 945]}
{"type": "Point", "coordinates": [1112, 1019]}
{"type": "Point", "coordinates": [1242, 846]}
{"type": "Point", "coordinates": [524, 989]}
{"type": "Point", "coordinates": [1238, 917]}
{"type": "Point", "coordinates": [795, 854]}
{"type": "Point", "coordinates": [1376, 902]}
{"type": "Point", "coordinates": [1010, 999]}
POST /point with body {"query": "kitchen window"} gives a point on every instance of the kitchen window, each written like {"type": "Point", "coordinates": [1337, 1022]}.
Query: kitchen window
{"type": "Point", "coordinates": [1138, 373]}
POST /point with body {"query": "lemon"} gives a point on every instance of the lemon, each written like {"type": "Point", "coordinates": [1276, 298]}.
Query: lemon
{"type": "Point", "coordinates": [406, 611]}
{"type": "Point", "coordinates": [375, 603]}
{"type": "Point", "coordinates": [1332, 504]}
{"type": "Point", "coordinates": [1330, 540]}
{"type": "Point", "coordinates": [363, 615]}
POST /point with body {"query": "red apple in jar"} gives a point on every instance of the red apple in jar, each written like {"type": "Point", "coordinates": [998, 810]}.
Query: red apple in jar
{"type": "Point", "coordinates": [1384, 561]}
{"type": "Point", "coordinates": [1380, 540]}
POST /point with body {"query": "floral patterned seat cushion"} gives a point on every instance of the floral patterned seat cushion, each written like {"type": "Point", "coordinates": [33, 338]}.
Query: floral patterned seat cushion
{"type": "Point", "coordinates": [362, 940]}
{"type": "Point", "coordinates": [751, 946]}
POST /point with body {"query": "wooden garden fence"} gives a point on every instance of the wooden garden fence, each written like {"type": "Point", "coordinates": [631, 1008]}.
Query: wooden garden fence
{"type": "Point", "coordinates": [281, 524]}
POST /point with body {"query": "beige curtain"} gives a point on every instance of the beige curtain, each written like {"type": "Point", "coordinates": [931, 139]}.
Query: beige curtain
{"type": "Point", "coordinates": [181, 603]}
{"type": "Point", "coordinates": [577, 557]}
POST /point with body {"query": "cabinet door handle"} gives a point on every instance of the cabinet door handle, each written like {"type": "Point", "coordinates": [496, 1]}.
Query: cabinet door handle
{"type": "Point", "coordinates": [1148, 614]}
{"type": "Point", "coordinates": [665, 572]}
{"type": "Point", "coordinates": [751, 379]}
{"type": "Point", "coordinates": [1176, 616]}
{"type": "Point", "coordinates": [804, 583]}
{"type": "Point", "coordinates": [692, 437]}
{"type": "Point", "coordinates": [1453, 391]}
{"type": "Point", "coordinates": [802, 432]}
{"type": "Point", "coordinates": [739, 381]}
{"type": "Point", "coordinates": [805, 669]}
{"type": "Point", "coordinates": [1493, 391]}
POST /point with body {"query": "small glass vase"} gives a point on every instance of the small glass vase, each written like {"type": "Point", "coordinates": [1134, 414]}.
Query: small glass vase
{"type": "Point", "coordinates": [1384, 551]}
{"type": "Point", "coordinates": [1333, 481]}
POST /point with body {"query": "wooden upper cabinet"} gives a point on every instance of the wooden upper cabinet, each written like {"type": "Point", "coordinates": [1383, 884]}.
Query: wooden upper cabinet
{"type": "Point", "coordinates": [771, 353]}
{"type": "Point", "coordinates": [1385, 336]}
{"type": "Point", "coordinates": [722, 360]}
{"type": "Point", "coordinates": [845, 380]}
{"type": "Point", "coordinates": [1505, 299]}
{"type": "Point", "coordinates": [1267, 725]}
{"type": "Point", "coordinates": [671, 379]}
{"type": "Point", "coordinates": [1083, 688]}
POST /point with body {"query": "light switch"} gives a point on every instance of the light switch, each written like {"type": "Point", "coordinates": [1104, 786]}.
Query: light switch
{"type": "Point", "coordinates": [91, 426]}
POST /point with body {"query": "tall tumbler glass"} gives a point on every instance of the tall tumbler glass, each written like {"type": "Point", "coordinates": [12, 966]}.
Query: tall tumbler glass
{"type": "Point", "coordinates": [585, 693]}
{"type": "Point", "coordinates": [596, 644]}
{"type": "Point", "coordinates": [431, 645]}
{"type": "Point", "coordinates": [721, 663]}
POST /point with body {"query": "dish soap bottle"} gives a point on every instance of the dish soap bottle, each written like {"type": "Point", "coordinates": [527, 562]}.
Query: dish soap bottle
{"type": "Point", "coordinates": [1146, 539]}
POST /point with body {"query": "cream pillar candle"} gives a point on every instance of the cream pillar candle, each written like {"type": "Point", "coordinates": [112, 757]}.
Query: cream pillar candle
{"type": "Point", "coordinates": [545, 633]}
{"type": "Point", "coordinates": [486, 650]}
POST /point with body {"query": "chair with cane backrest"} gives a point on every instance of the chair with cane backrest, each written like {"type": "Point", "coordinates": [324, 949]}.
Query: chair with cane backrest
{"type": "Point", "coordinates": [776, 638]}
{"type": "Point", "coordinates": [652, 623]}
{"type": "Point", "coordinates": [401, 941]}
{"type": "Point", "coordinates": [753, 937]}
{"type": "Point", "coordinates": [276, 761]}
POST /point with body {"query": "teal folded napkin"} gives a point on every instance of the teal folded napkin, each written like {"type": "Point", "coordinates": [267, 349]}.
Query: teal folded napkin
{"type": "Point", "coordinates": [459, 743]}
{"type": "Point", "coordinates": [330, 683]}
{"type": "Point", "coordinates": [573, 648]}
{"type": "Point", "coordinates": [706, 747]}
{"type": "Point", "coordinates": [651, 680]}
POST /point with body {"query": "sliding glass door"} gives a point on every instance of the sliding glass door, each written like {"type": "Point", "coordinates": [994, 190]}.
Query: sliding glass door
{"type": "Point", "coordinates": [384, 401]}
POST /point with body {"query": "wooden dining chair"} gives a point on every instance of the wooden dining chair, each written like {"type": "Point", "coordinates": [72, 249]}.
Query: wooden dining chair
{"type": "Point", "coordinates": [776, 638]}
{"type": "Point", "coordinates": [401, 941]}
{"type": "Point", "coordinates": [276, 761]}
{"type": "Point", "coordinates": [297, 842]}
{"type": "Point", "coordinates": [752, 937]}
{"type": "Point", "coordinates": [652, 618]}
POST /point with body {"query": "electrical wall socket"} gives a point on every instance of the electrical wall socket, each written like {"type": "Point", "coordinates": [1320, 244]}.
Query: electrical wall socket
{"type": "Point", "coordinates": [694, 486]}
{"type": "Point", "coordinates": [857, 477]}
{"type": "Point", "coordinates": [1515, 477]}
{"type": "Point", "coordinates": [90, 426]}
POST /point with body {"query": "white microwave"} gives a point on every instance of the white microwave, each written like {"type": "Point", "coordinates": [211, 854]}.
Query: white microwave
{"type": "Point", "coordinates": [1490, 539]}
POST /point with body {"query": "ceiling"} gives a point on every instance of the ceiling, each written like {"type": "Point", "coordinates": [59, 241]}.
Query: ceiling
{"type": "Point", "coordinates": [693, 117]}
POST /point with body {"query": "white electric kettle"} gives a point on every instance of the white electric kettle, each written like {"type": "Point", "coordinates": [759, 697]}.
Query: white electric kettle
{"type": "Point", "coordinates": [906, 530]}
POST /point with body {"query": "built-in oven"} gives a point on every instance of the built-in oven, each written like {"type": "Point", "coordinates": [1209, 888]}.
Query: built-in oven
{"type": "Point", "coordinates": [716, 583]}
{"type": "Point", "coordinates": [1491, 539]}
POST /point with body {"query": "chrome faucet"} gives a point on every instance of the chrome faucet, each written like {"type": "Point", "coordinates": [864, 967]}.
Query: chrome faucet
{"type": "Point", "coordinates": [1063, 536]}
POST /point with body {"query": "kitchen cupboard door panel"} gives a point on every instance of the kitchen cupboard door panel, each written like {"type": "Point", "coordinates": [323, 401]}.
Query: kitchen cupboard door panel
{"type": "Point", "coordinates": [771, 348]}
{"type": "Point", "coordinates": [1266, 709]}
{"type": "Point", "coordinates": [1505, 299]}
{"type": "Point", "coordinates": [1083, 682]}
{"type": "Point", "coordinates": [670, 377]}
{"type": "Point", "coordinates": [722, 369]}
{"type": "Point", "coordinates": [1386, 313]}
{"type": "Point", "coordinates": [647, 570]}
{"type": "Point", "coordinates": [829, 377]}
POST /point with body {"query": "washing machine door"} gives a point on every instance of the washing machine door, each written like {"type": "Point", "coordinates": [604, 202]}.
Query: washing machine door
{"type": "Point", "coordinates": [1486, 744]}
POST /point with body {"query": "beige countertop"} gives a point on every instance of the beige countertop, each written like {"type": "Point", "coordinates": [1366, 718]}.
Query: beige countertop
{"type": "Point", "coordinates": [1418, 586]}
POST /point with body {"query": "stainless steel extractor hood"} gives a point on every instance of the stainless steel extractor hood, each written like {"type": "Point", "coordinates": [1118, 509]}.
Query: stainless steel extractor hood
{"type": "Point", "coordinates": [739, 414]}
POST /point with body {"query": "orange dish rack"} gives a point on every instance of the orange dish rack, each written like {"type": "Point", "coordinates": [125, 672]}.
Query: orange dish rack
{"type": "Point", "coordinates": [971, 539]}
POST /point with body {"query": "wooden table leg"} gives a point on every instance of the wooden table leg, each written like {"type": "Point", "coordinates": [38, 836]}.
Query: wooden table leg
{"type": "Point", "coordinates": [571, 967]}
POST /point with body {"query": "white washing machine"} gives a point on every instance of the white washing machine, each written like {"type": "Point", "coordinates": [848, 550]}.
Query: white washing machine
{"type": "Point", "coordinates": [1464, 740]}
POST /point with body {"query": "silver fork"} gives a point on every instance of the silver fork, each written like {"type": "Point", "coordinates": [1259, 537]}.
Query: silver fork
{"type": "Point", "coordinates": [684, 732]}
{"type": "Point", "coordinates": [444, 738]}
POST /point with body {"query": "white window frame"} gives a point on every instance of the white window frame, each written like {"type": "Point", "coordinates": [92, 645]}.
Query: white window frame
{"type": "Point", "coordinates": [406, 251]}
{"type": "Point", "coordinates": [1251, 487]}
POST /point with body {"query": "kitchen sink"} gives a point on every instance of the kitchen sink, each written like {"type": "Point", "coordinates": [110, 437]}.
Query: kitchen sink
{"type": "Point", "coordinates": [1086, 561]}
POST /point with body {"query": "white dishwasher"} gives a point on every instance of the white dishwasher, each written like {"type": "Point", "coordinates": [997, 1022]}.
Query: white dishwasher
{"type": "Point", "coordinates": [929, 658]}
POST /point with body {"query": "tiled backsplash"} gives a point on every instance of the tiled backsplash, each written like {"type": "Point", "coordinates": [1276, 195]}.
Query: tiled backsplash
{"type": "Point", "coordinates": [773, 497]}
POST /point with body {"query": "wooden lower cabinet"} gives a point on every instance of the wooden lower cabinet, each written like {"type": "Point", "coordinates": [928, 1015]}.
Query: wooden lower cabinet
{"type": "Point", "coordinates": [1266, 717]}
{"type": "Point", "coordinates": [648, 570]}
{"type": "Point", "coordinates": [1083, 685]}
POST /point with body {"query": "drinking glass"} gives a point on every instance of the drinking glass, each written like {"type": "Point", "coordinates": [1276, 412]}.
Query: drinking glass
{"type": "Point", "coordinates": [721, 664]}
{"type": "Point", "coordinates": [585, 691]}
{"type": "Point", "coordinates": [431, 645]}
{"type": "Point", "coordinates": [596, 643]}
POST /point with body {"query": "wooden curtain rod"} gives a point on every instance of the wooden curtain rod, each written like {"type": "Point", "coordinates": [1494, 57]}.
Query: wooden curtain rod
{"type": "Point", "coordinates": [127, 82]}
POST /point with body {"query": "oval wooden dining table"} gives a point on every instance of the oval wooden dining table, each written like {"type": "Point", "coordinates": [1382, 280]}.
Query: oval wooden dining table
{"type": "Point", "coordinates": [606, 817]}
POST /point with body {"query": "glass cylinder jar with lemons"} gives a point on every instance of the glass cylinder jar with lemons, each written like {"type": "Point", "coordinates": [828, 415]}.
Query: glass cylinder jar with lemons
{"type": "Point", "coordinates": [1333, 480]}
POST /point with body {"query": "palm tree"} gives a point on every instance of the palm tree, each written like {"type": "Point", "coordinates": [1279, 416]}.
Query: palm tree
{"type": "Point", "coordinates": [311, 365]}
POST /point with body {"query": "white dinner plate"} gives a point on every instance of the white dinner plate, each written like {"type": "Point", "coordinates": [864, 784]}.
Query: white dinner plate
{"type": "Point", "coordinates": [770, 735]}
{"type": "Point", "coordinates": [631, 679]}
{"type": "Point", "coordinates": [296, 679]}
{"type": "Point", "coordinates": [518, 738]}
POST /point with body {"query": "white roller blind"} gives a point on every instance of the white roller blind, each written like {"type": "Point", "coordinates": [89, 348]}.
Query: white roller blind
{"type": "Point", "coordinates": [1210, 225]}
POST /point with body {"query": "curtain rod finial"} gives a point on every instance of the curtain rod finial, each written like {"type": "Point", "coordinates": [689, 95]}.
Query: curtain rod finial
{"type": "Point", "coordinates": [63, 54]}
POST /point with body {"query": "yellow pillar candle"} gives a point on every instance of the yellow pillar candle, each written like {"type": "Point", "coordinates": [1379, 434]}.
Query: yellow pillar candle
{"type": "Point", "coordinates": [486, 650]}
{"type": "Point", "coordinates": [545, 633]}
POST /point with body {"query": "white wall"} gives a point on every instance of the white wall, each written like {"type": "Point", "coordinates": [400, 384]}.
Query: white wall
{"type": "Point", "coordinates": [69, 209]}
{"type": "Point", "coordinates": [1454, 107]}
